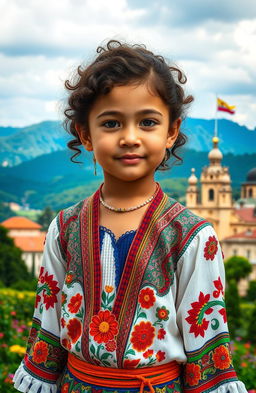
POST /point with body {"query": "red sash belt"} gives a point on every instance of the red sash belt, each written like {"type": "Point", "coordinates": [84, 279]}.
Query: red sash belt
{"type": "Point", "coordinates": [123, 378]}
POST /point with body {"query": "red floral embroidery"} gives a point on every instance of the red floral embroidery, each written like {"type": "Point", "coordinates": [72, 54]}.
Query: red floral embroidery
{"type": "Point", "coordinates": [160, 356]}
{"type": "Point", "coordinates": [65, 388]}
{"type": "Point", "coordinates": [131, 363]}
{"type": "Point", "coordinates": [211, 248]}
{"type": "Point", "coordinates": [63, 322]}
{"type": "Point", "coordinates": [162, 313]}
{"type": "Point", "coordinates": [218, 285]}
{"type": "Point", "coordinates": [38, 299]}
{"type": "Point", "coordinates": [142, 336]}
{"type": "Point", "coordinates": [148, 353]}
{"type": "Point", "coordinates": [111, 346]}
{"type": "Point", "coordinates": [147, 298]}
{"type": "Point", "coordinates": [103, 327]}
{"type": "Point", "coordinates": [50, 290]}
{"type": "Point", "coordinates": [205, 359]}
{"type": "Point", "coordinates": [224, 314]}
{"type": "Point", "coordinates": [69, 278]}
{"type": "Point", "coordinates": [40, 352]}
{"type": "Point", "coordinates": [199, 324]}
{"type": "Point", "coordinates": [75, 303]}
{"type": "Point", "coordinates": [74, 329]}
{"type": "Point", "coordinates": [192, 374]}
{"type": "Point", "coordinates": [41, 276]}
{"type": "Point", "coordinates": [161, 333]}
{"type": "Point", "coordinates": [221, 358]}
{"type": "Point", "coordinates": [66, 343]}
{"type": "Point", "coordinates": [63, 298]}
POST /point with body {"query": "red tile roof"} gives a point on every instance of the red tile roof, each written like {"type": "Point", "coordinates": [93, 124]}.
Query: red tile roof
{"type": "Point", "coordinates": [30, 243]}
{"type": "Point", "coordinates": [246, 214]}
{"type": "Point", "coordinates": [251, 234]}
{"type": "Point", "coordinates": [20, 223]}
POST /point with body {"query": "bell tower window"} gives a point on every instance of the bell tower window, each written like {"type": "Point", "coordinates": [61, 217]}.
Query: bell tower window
{"type": "Point", "coordinates": [211, 194]}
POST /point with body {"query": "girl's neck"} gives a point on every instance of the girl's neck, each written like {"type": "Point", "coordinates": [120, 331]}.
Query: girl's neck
{"type": "Point", "coordinates": [127, 194]}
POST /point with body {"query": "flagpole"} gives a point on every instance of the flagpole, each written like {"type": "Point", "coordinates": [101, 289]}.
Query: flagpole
{"type": "Point", "coordinates": [216, 119]}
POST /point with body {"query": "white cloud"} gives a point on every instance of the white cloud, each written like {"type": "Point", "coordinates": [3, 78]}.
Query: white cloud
{"type": "Point", "coordinates": [41, 41]}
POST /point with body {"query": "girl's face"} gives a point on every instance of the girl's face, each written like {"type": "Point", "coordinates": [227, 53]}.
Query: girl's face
{"type": "Point", "coordinates": [129, 132]}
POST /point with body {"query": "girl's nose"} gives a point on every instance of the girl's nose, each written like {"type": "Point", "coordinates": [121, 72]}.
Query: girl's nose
{"type": "Point", "coordinates": [130, 136]}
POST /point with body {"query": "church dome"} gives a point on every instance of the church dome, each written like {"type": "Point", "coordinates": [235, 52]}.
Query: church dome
{"type": "Point", "coordinates": [251, 175]}
{"type": "Point", "coordinates": [215, 154]}
{"type": "Point", "coordinates": [192, 180]}
{"type": "Point", "coordinates": [226, 176]}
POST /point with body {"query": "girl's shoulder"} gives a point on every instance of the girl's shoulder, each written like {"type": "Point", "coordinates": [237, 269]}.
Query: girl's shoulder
{"type": "Point", "coordinates": [186, 225]}
{"type": "Point", "coordinates": [182, 213]}
{"type": "Point", "coordinates": [70, 215]}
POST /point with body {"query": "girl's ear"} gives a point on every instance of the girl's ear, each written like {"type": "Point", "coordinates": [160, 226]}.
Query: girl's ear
{"type": "Point", "coordinates": [84, 138]}
{"type": "Point", "coordinates": [173, 133]}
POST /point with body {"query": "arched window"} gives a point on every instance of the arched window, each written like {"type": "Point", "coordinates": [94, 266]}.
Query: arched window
{"type": "Point", "coordinates": [211, 194]}
{"type": "Point", "coordinates": [250, 193]}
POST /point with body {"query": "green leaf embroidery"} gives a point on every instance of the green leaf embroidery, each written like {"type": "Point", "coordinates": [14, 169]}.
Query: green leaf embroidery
{"type": "Point", "coordinates": [111, 298]}
{"type": "Point", "coordinates": [130, 352]}
{"type": "Point", "coordinates": [215, 324]}
{"type": "Point", "coordinates": [106, 363]}
{"type": "Point", "coordinates": [105, 355]}
{"type": "Point", "coordinates": [92, 349]}
{"type": "Point", "coordinates": [77, 347]}
{"type": "Point", "coordinates": [208, 371]}
{"type": "Point", "coordinates": [104, 298]}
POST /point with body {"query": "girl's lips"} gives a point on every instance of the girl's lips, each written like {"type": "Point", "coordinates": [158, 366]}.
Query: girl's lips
{"type": "Point", "coordinates": [130, 159]}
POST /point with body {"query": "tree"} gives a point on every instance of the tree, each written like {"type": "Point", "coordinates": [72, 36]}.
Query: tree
{"type": "Point", "coordinates": [251, 293]}
{"type": "Point", "coordinates": [45, 218]}
{"type": "Point", "coordinates": [5, 212]}
{"type": "Point", "coordinates": [12, 267]}
{"type": "Point", "coordinates": [237, 268]}
{"type": "Point", "coordinates": [251, 327]}
{"type": "Point", "coordinates": [232, 300]}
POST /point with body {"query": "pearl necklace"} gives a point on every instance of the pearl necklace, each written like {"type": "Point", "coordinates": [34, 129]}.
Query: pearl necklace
{"type": "Point", "coordinates": [129, 209]}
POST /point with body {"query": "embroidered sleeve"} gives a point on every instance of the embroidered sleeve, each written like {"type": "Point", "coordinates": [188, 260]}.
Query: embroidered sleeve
{"type": "Point", "coordinates": [45, 357]}
{"type": "Point", "coordinates": [201, 317]}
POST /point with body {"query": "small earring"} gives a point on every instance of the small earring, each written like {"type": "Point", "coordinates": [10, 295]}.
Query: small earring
{"type": "Point", "coordinates": [95, 167]}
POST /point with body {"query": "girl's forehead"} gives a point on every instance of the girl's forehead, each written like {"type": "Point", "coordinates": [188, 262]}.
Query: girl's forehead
{"type": "Point", "coordinates": [130, 96]}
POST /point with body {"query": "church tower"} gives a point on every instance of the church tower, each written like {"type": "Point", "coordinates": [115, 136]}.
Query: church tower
{"type": "Point", "coordinates": [215, 181]}
{"type": "Point", "coordinates": [192, 191]}
{"type": "Point", "coordinates": [215, 203]}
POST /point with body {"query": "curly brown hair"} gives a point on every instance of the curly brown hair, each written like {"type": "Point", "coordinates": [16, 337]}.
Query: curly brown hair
{"type": "Point", "coordinates": [119, 64]}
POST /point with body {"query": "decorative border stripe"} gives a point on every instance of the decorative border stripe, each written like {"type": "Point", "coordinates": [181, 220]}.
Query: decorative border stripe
{"type": "Point", "coordinates": [95, 261]}
{"type": "Point", "coordinates": [38, 372]}
{"type": "Point", "coordinates": [221, 338]}
{"type": "Point", "coordinates": [220, 379]}
{"type": "Point", "coordinates": [134, 250]}
{"type": "Point", "coordinates": [47, 336]}
{"type": "Point", "coordinates": [86, 247]}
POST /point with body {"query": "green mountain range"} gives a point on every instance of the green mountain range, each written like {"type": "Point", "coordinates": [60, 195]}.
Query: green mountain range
{"type": "Point", "coordinates": [22, 144]}
{"type": "Point", "coordinates": [45, 176]}
{"type": "Point", "coordinates": [53, 180]}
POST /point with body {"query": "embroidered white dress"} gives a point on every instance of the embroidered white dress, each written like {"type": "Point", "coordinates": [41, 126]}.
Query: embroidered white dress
{"type": "Point", "coordinates": [161, 302]}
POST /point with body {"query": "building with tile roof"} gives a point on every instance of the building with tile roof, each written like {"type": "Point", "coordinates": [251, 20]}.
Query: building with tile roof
{"type": "Point", "coordinates": [235, 223]}
{"type": "Point", "coordinates": [27, 235]}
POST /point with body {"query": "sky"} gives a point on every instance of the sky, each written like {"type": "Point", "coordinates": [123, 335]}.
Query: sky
{"type": "Point", "coordinates": [43, 41]}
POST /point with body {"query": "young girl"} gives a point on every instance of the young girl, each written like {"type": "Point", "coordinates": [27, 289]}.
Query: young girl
{"type": "Point", "coordinates": [130, 293]}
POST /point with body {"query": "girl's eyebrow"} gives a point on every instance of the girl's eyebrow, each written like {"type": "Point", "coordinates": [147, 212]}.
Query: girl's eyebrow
{"type": "Point", "coordinates": [142, 112]}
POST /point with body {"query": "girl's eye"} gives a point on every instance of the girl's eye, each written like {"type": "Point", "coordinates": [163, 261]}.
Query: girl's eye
{"type": "Point", "coordinates": [111, 124]}
{"type": "Point", "coordinates": [148, 123]}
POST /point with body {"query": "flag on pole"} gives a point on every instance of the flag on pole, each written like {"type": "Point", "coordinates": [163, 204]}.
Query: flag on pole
{"type": "Point", "coordinates": [224, 107]}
